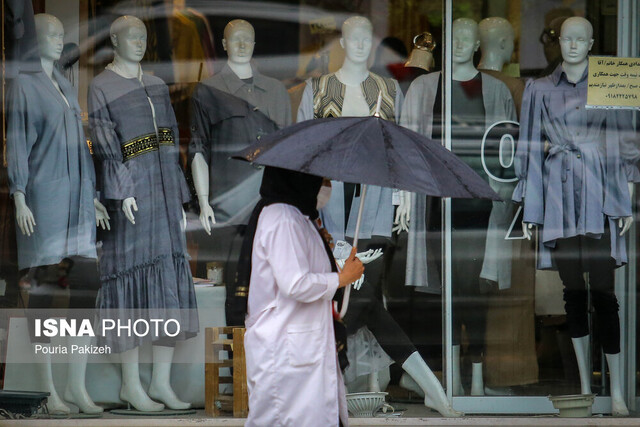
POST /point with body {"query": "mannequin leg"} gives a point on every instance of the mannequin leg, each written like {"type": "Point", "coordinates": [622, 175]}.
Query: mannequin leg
{"type": "Point", "coordinates": [435, 397]}
{"type": "Point", "coordinates": [477, 383]}
{"type": "Point", "coordinates": [160, 388]}
{"type": "Point", "coordinates": [618, 406]}
{"type": "Point", "coordinates": [567, 256]}
{"type": "Point", "coordinates": [131, 390]}
{"type": "Point", "coordinates": [409, 383]}
{"type": "Point", "coordinates": [55, 404]}
{"type": "Point", "coordinates": [581, 348]}
{"type": "Point", "coordinates": [458, 390]}
{"type": "Point", "coordinates": [76, 390]}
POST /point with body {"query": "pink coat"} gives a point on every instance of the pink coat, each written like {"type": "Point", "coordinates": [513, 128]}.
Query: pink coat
{"type": "Point", "coordinates": [292, 367]}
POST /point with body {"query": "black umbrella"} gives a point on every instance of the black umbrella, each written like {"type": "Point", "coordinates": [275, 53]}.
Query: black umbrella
{"type": "Point", "coordinates": [369, 150]}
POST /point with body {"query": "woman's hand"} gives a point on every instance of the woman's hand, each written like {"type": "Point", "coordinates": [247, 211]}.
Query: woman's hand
{"type": "Point", "coordinates": [352, 270]}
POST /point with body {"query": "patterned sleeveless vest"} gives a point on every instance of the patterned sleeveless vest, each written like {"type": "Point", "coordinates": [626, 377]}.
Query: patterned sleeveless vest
{"type": "Point", "coordinates": [328, 95]}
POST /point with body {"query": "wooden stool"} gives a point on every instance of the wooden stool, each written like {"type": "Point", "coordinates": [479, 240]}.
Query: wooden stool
{"type": "Point", "coordinates": [230, 339]}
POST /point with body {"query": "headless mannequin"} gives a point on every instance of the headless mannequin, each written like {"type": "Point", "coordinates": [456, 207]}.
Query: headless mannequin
{"type": "Point", "coordinates": [50, 33]}
{"type": "Point", "coordinates": [128, 36]}
{"type": "Point", "coordinates": [357, 36]}
{"type": "Point", "coordinates": [238, 42]}
{"type": "Point", "coordinates": [575, 43]}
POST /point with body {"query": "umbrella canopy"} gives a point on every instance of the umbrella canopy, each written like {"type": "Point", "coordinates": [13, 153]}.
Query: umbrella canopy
{"type": "Point", "coordinates": [369, 150]}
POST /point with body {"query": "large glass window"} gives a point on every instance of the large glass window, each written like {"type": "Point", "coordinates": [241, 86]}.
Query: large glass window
{"type": "Point", "coordinates": [120, 200]}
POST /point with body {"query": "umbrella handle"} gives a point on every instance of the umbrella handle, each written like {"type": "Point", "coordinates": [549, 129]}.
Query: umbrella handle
{"type": "Point", "coordinates": [347, 291]}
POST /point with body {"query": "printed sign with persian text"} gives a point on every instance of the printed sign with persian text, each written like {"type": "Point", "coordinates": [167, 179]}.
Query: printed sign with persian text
{"type": "Point", "coordinates": [613, 82]}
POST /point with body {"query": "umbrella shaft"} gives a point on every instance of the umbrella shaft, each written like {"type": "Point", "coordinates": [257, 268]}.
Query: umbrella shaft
{"type": "Point", "coordinates": [363, 193]}
{"type": "Point", "coordinates": [347, 291]}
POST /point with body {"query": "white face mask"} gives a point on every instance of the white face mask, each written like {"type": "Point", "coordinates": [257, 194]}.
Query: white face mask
{"type": "Point", "coordinates": [323, 197]}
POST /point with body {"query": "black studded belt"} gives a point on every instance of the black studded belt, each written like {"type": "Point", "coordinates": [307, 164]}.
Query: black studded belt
{"type": "Point", "coordinates": [146, 143]}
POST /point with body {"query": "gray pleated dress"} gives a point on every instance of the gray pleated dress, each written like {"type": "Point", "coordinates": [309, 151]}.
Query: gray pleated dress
{"type": "Point", "coordinates": [143, 266]}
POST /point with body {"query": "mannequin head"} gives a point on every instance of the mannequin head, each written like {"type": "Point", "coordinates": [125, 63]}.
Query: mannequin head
{"type": "Point", "coordinates": [553, 20]}
{"type": "Point", "coordinates": [576, 40]}
{"type": "Point", "coordinates": [496, 42]}
{"type": "Point", "coordinates": [129, 38]}
{"type": "Point", "coordinates": [50, 33]}
{"type": "Point", "coordinates": [466, 40]}
{"type": "Point", "coordinates": [239, 41]}
{"type": "Point", "coordinates": [357, 39]}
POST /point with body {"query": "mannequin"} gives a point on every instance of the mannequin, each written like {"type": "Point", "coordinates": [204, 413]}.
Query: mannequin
{"type": "Point", "coordinates": [353, 76]}
{"type": "Point", "coordinates": [230, 109]}
{"type": "Point", "coordinates": [354, 82]}
{"type": "Point", "coordinates": [496, 44]}
{"type": "Point", "coordinates": [479, 101]}
{"type": "Point", "coordinates": [144, 263]}
{"type": "Point", "coordinates": [44, 132]}
{"type": "Point", "coordinates": [589, 242]}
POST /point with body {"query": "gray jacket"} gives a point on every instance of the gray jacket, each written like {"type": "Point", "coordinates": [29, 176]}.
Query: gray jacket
{"type": "Point", "coordinates": [417, 115]}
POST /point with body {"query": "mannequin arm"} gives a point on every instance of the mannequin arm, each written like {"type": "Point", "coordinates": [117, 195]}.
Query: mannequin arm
{"type": "Point", "coordinates": [128, 207]}
{"type": "Point", "coordinates": [626, 222]}
{"type": "Point", "coordinates": [102, 216]}
{"type": "Point", "coordinates": [527, 229]}
{"type": "Point", "coordinates": [403, 213]}
{"type": "Point", "coordinates": [24, 216]}
{"type": "Point", "coordinates": [200, 173]}
{"type": "Point", "coordinates": [370, 255]}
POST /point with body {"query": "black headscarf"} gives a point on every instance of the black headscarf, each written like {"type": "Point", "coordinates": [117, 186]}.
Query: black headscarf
{"type": "Point", "coordinates": [296, 189]}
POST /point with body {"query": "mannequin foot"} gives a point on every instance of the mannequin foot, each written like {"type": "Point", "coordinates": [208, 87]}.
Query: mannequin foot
{"type": "Point", "coordinates": [166, 395]}
{"type": "Point", "coordinates": [139, 399]}
{"type": "Point", "coordinates": [409, 383]}
{"type": "Point", "coordinates": [442, 406]}
{"type": "Point", "coordinates": [80, 397]}
{"type": "Point", "coordinates": [477, 390]}
{"type": "Point", "coordinates": [56, 405]}
{"type": "Point", "coordinates": [618, 407]}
